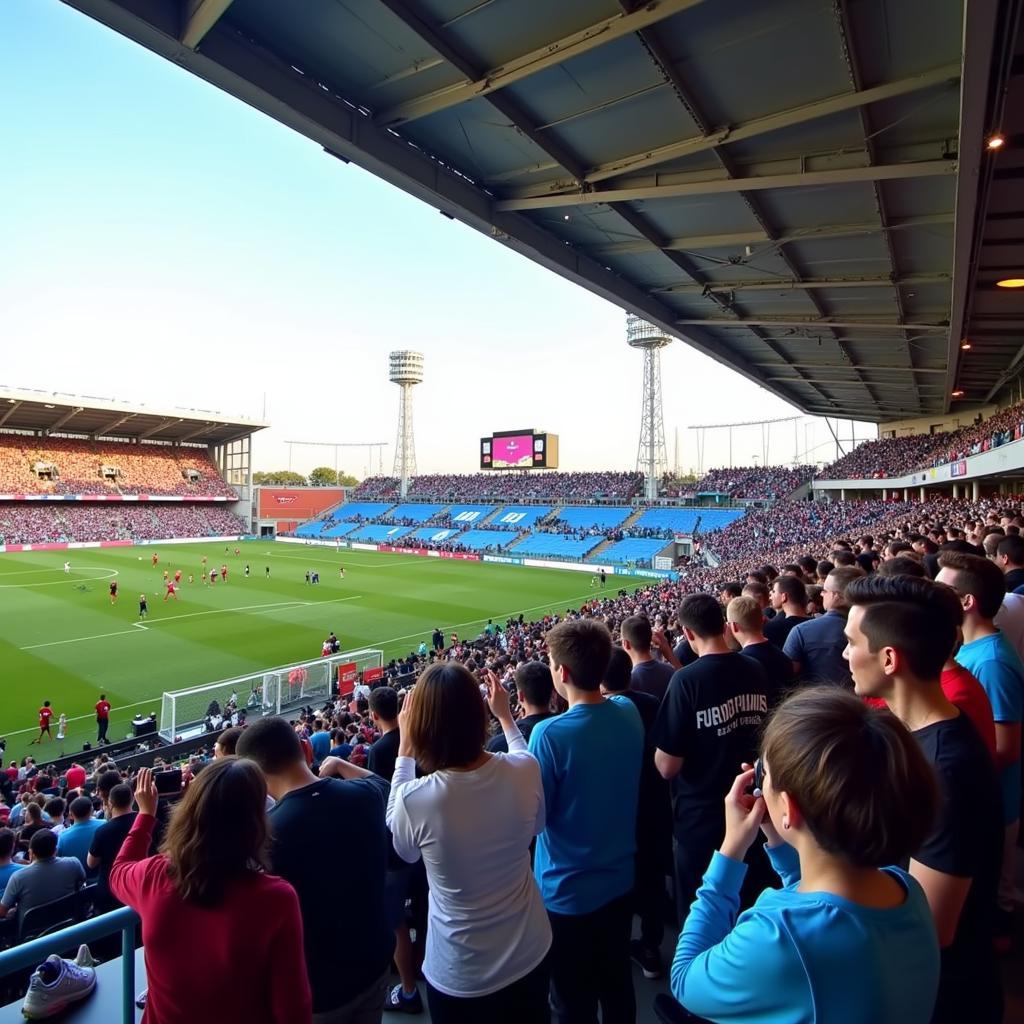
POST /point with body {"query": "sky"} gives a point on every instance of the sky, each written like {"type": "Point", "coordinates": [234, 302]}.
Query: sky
{"type": "Point", "coordinates": [164, 243]}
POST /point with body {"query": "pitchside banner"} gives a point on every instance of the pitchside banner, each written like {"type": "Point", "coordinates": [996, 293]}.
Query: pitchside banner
{"type": "Point", "coordinates": [371, 675]}
{"type": "Point", "coordinates": [347, 675]}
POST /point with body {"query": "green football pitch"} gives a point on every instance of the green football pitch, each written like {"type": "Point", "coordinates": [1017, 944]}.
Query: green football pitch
{"type": "Point", "coordinates": [62, 640]}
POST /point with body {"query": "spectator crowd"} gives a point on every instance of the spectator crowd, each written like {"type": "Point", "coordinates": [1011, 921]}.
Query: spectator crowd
{"type": "Point", "coordinates": [814, 745]}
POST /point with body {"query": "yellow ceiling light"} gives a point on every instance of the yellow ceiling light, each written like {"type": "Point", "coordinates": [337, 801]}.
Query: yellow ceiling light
{"type": "Point", "coordinates": [997, 142]}
{"type": "Point", "coordinates": [1011, 282]}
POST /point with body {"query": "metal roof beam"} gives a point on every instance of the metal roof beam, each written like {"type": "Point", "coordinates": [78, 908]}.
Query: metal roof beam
{"type": "Point", "coordinates": [113, 425]}
{"type": "Point", "coordinates": [204, 428]}
{"type": "Point", "coordinates": [719, 186]}
{"type": "Point", "coordinates": [162, 425]}
{"type": "Point", "coordinates": [200, 17]}
{"type": "Point", "coordinates": [806, 284]}
{"type": "Point", "coordinates": [858, 98]}
{"type": "Point", "coordinates": [849, 366]}
{"type": "Point", "coordinates": [9, 412]}
{"type": "Point", "coordinates": [828, 324]}
{"type": "Point", "coordinates": [515, 70]}
{"type": "Point", "coordinates": [70, 414]}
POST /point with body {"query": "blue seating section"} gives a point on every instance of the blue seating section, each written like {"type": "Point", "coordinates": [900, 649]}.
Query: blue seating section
{"type": "Point", "coordinates": [632, 549]}
{"type": "Point", "coordinates": [596, 516]}
{"type": "Point", "coordinates": [560, 545]}
{"type": "Point", "coordinates": [381, 534]}
{"type": "Point", "coordinates": [366, 509]}
{"type": "Point", "coordinates": [522, 516]}
{"type": "Point", "coordinates": [682, 520]}
{"type": "Point", "coordinates": [468, 515]}
{"type": "Point", "coordinates": [310, 529]}
{"type": "Point", "coordinates": [435, 534]}
{"type": "Point", "coordinates": [339, 531]}
{"type": "Point", "coordinates": [415, 512]}
{"type": "Point", "coordinates": [480, 539]}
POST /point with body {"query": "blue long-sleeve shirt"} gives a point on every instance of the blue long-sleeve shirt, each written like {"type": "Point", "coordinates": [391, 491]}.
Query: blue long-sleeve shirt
{"type": "Point", "coordinates": [804, 957]}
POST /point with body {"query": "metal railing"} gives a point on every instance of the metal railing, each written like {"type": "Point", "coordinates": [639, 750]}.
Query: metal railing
{"type": "Point", "coordinates": [31, 954]}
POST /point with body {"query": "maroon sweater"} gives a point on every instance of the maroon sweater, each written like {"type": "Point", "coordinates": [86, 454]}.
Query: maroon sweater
{"type": "Point", "coordinates": [250, 946]}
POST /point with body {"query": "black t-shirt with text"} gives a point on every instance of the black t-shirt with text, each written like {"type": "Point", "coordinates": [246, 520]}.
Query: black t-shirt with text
{"type": "Point", "coordinates": [711, 717]}
{"type": "Point", "coordinates": [966, 841]}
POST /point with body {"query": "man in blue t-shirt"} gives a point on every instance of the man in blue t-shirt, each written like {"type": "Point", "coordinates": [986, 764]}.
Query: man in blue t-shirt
{"type": "Point", "coordinates": [990, 658]}
{"type": "Point", "coordinates": [7, 866]}
{"type": "Point", "coordinates": [590, 759]}
{"type": "Point", "coordinates": [320, 741]}
{"type": "Point", "coordinates": [76, 840]}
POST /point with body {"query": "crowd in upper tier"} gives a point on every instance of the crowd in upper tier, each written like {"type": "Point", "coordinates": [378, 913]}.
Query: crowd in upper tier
{"type": "Point", "coordinates": [897, 456]}
{"type": "Point", "coordinates": [546, 486]}
{"type": "Point", "coordinates": [33, 523]}
{"type": "Point", "coordinates": [55, 465]}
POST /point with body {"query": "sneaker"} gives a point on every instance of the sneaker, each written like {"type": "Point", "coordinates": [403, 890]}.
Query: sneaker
{"type": "Point", "coordinates": [398, 1002]}
{"type": "Point", "coordinates": [647, 959]}
{"type": "Point", "coordinates": [55, 985]}
{"type": "Point", "coordinates": [85, 957]}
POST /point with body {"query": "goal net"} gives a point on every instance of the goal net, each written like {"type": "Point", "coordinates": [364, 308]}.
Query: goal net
{"type": "Point", "coordinates": [197, 709]}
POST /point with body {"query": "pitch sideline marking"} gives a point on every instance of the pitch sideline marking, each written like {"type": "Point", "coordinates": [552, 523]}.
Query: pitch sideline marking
{"type": "Point", "coordinates": [188, 615]}
{"type": "Point", "coordinates": [69, 578]}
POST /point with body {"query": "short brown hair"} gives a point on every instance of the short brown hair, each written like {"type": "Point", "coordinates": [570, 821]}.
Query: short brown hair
{"type": "Point", "coordinates": [218, 832]}
{"type": "Point", "coordinates": [861, 782]}
{"type": "Point", "coordinates": [636, 631]}
{"type": "Point", "coordinates": [228, 739]}
{"type": "Point", "coordinates": [979, 577]}
{"type": "Point", "coordinates": [584, 647]}
{"type": "Point", "coordinates": [447, 718]}
{"type": "Point", "coordinates": [745, 612]}
{"type": "Point", "coordinates": [842, 576]}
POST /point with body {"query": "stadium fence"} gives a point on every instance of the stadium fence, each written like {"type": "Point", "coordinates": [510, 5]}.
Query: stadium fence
{"type": "Point", "coordinates": [184, 713]}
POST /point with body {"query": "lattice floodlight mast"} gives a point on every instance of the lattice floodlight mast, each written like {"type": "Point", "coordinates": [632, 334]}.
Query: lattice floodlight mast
{"type": "Point", "coordinates": [405, 370]}
{"type": "Point", "coordinates": [651, 457]}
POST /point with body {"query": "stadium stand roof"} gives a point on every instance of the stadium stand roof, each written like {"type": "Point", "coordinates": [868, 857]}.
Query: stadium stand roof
{"type": "Point", "coordinates": [101, 417]}
{"type": "Point", "coordinates": [800, 190]}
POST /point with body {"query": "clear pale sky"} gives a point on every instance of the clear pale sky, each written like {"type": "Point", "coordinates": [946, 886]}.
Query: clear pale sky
{"type": "Point", "coordinates": [165, 243]}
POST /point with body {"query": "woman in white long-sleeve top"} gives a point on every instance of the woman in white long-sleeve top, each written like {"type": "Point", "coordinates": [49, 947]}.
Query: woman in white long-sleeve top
{"type": "Point", "coordinates": [472, 819]}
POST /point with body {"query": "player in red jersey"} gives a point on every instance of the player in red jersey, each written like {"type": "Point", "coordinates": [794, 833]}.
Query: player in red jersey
{"type": "Point", "coordinates": [171, 592]}
{"type": "Point", "coordinates": [224, 573]}
{"type": "Point", "coordinates": [45, 714]}
{"type": "Point", "coordinates": [155, 558]}
{"type": "Point", "coordinates": [177, 575]}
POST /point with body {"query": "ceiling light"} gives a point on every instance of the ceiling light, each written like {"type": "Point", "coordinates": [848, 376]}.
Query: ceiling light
{"type": "Point", "coordinates": [958, 393]}
{"type": "Point", "coordinates": [966, 346]}
{"type": "Point", "coordinates": [566, 217]}
{"type": "Point", "coordinates": [1011, 282]}
{"type": "Point", "coordinates": [997, 142]}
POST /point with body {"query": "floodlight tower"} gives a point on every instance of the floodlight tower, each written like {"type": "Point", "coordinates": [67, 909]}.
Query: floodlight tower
{"type": "Point", "coordinates": [651, 458]}
{"type": "Point", "coordinates": [405, 370]}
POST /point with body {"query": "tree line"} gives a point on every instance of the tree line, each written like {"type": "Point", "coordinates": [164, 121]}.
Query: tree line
{"type": "Point", "coordinates": [322, 476]}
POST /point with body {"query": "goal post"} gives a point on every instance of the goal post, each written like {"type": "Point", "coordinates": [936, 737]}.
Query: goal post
{"type": "Point", "coordinates": [188, 712]}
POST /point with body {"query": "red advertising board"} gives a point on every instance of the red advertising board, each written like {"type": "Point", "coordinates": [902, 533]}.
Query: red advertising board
{"type": "Point", "coordinates": [428, 553]}
{"type": "Point", "coordinates": [347, 675]}
{"type": "Point", "coordinates": [371, 675]}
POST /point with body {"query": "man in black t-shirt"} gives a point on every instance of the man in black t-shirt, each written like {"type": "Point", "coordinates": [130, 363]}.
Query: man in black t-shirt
{"type": "Point", "coordinates": [648, 676]}
{"type": "Point", "coordinates": [653, 823]}
{"type": "Point", "coordinates": [746, 623]}
{"type": "Point", "coordinates": [708, 725]}
{"type": "Point", "coordinates": [789, 599]}
{"type": "Point", "coordinates": [900, 632]}
{"type": "Point", "coordinates": [535, 687]}
{"type": "Point", "coordinates": [384, 712]}
{"type": "Point", "coordinates": [342, 817]}
{"type": "Point", "coordinates": [107, 840]}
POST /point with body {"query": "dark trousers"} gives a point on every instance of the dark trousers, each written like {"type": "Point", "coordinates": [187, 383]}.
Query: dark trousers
{"type": "Point", "coordinates": [590, 965]}
{"type": "Point", "coordinates": [523, 1002]}
{"type": "Point", "coordinates": [693, 850]}
{"type": "Point", "coordinates": [650, 901]}
{"type": "Point", "coordinates": [101, 725]}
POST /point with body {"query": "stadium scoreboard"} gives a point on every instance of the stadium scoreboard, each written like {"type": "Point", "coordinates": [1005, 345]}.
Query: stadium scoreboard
{"type": "Point", "coordinates": [519, 449]}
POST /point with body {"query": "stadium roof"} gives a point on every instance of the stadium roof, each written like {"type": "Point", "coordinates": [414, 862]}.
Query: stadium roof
{"type": "Point", "coordinates": [799, 189]}
{"type": "Point", "coordinates": [101, 417]}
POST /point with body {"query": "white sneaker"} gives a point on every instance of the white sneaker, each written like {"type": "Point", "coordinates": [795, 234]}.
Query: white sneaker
{"type": "Point", "coordinates": [55, 985]}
